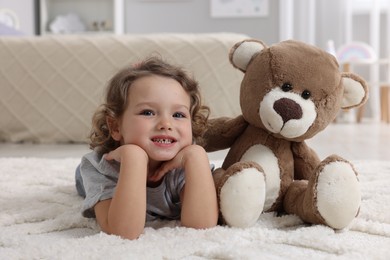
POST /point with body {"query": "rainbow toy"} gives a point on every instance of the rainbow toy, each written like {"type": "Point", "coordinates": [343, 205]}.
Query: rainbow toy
{"type": "Point", "coordinates": [356, 51]}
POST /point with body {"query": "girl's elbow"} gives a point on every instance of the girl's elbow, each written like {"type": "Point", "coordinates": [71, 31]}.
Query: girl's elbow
{"type": "Point", "coordinates": [200, 226]}
{"type": "Point", "coordinates": [203, 224]}
{"type": "Point", "coordinates": [209, 224]}
{"type": "Point", "coordinates": [125, 233]}
{"type": "Point", "coordinates": [130, 235]}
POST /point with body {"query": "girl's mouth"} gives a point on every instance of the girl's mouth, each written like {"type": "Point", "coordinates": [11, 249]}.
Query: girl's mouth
{"type": "Point", "coordinates": [163, 140]}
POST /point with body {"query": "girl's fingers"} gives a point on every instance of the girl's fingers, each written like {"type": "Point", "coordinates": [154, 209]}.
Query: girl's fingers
{"type": "Point", "coordinates": [162, 171]}
{"type": "Point", "coordinates": [113, 155]}
{"type": "Point", "coordinates": [158, 175]}
{"type": "Point", "coordinates": [107, 157]}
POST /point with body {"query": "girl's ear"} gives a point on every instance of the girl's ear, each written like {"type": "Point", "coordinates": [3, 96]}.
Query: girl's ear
{"type": "Point", "coordinates": [113, 126]}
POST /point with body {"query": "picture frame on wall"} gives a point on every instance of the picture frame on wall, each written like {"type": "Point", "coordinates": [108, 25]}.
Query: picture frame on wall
{"type": "Point", "coordinates": [9, 18]}
{"type": "Point", "coordinates": [18, 16]}
{"type": "Point", "coordinates": [239, 8]}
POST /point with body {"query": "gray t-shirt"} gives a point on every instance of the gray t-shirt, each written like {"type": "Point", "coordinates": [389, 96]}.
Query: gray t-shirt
{"type": "Point", "coordinates": [99, 178]}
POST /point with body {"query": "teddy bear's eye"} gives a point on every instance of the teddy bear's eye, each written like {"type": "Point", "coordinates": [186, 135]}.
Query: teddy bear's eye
{"type": "Point", "coordinates": [287, 87]}
{"type": "Point", "coordinates": [306, 94]}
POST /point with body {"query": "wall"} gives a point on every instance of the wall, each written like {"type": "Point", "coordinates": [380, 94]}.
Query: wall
{"type": "Point", "coordinates": [25, 12]}
{"type": "Point", "coordinates": [330, 22]}
{"type": "Point", "coordinates": [193, 16]}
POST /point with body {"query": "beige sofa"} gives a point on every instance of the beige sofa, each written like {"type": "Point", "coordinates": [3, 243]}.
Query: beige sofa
{"type": "Point", "coordinates": [51, 85]}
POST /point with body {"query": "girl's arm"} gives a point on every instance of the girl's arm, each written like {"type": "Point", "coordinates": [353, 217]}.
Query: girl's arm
{"type": "Point", "coordinates": [124, 214]}
{"type": "Point", "coordinates": [198, 197]}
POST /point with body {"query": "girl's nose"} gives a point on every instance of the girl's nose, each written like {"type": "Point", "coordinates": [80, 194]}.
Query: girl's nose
{"type": "Point", "coordinates": [165, 124]}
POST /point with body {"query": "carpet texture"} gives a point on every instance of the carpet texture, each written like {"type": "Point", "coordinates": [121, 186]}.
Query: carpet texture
{"type": "Point", "coordinates": [40, 219]}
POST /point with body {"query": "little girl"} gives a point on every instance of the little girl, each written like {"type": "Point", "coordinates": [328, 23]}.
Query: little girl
{"type": "Point", "coordinates": [144, 164]}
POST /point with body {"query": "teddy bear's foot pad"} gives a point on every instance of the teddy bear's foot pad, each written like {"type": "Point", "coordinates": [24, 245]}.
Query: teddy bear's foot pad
{"type": "Point", "coordinates": [242, 198]}
{"type": "Point", "coordinates": [338, 194]}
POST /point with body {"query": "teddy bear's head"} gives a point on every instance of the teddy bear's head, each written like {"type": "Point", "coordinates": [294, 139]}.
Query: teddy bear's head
{"type": "Point", "coordinates": [292, 89]}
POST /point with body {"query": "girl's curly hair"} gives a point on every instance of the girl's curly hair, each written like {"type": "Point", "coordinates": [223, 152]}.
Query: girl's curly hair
{"type": "Point", "coordinates": [116, 100]}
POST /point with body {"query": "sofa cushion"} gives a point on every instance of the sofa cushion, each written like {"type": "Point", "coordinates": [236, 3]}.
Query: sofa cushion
{"type": "Point", "coordinates": [51, 85]}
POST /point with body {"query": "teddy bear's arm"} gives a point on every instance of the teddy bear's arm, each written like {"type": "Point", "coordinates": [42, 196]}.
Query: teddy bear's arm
{"type": "Point", "coordinates": [305, 160]}
{"type": "Point", "coordinates": [222, 132]}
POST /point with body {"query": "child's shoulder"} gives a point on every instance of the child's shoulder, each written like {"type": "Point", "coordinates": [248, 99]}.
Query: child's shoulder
{"type": "Point", "coordinates": [92, 156]}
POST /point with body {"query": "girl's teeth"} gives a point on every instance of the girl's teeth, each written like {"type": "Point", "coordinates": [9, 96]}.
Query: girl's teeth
{"type": "Point", "coordinates": [163, 141]}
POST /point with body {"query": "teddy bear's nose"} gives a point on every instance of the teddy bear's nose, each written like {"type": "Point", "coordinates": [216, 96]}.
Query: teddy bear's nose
{"type": "Point", "coordinates": [288, 109]}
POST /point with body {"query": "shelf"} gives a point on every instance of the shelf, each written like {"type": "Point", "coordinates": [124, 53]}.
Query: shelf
{"type": "Point", "coordinates": [87, 16]}
{"type": "Point", "coordinates": [362, 7]}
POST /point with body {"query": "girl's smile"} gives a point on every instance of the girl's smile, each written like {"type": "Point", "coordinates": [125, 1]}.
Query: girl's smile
{"type": "Point", "coordinates": [163, 140]}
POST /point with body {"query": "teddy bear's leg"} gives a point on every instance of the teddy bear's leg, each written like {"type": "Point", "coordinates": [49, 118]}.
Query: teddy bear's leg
{"type": "Point", "coordinates": [338, 192]}
{"type": "Point", "coordinates": [241, 193]}
{"type": "Point", "coordinates": [331, 196]}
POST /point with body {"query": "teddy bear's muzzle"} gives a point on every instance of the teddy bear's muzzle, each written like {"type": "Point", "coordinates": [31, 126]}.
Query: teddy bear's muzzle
{"type": "Point", "coordinates": [288, 109]}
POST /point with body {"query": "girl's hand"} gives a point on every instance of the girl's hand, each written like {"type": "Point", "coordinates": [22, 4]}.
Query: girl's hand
{"type": "Point", "coordinates": [119, 152]}
{"type": "Point", "coordinates": [164, 169]}
{"type": "Point", "coordinates": [114, 155]}
{"type": "Point", "coordinates": [177, 162]}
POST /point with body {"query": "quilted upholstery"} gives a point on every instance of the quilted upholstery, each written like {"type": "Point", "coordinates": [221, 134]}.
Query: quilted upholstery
{"type": "Point", "coordinates": [51, 85]}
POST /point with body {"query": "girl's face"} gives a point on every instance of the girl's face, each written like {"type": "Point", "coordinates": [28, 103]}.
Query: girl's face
{"type": "Point", "coordinates": [157, 118]}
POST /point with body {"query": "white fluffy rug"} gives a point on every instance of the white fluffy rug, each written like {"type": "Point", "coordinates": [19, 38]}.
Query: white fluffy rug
{"type": "Point", "coordinates": [40, 219]}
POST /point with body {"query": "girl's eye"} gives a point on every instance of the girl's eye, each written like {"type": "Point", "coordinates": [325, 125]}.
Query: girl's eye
{"type": "Point", "coordinates": [179, 115]}
{"type": "Point", "coordinates": [147, 113]}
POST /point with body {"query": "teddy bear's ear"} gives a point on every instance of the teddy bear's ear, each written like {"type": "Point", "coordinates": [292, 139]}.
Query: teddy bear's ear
{"type": "Point", "coordinates": [355, 90]}
{"type": "Point", "coordinates": [242, 53]}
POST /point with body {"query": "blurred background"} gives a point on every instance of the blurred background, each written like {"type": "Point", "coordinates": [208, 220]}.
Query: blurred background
{"type": "Point", "coordinates": [355, 31]}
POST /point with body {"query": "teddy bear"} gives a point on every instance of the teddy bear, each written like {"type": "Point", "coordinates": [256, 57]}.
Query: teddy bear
{"type": "Point", "coordinates": [289, 93]}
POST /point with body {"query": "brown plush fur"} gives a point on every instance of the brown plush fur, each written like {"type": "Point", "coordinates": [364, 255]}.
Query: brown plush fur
{"type": "Point", "coordinates": [276, 120]}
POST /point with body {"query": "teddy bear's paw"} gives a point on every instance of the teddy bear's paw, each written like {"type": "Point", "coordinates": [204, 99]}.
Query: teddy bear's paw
{"type": "Point", "coordinates": [338, 194]}
{"type": "Point", "coordinates": [242, 197]}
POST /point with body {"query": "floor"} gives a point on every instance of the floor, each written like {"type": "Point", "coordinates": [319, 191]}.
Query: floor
{"type": "Point", "coordinates": [364, 141]}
